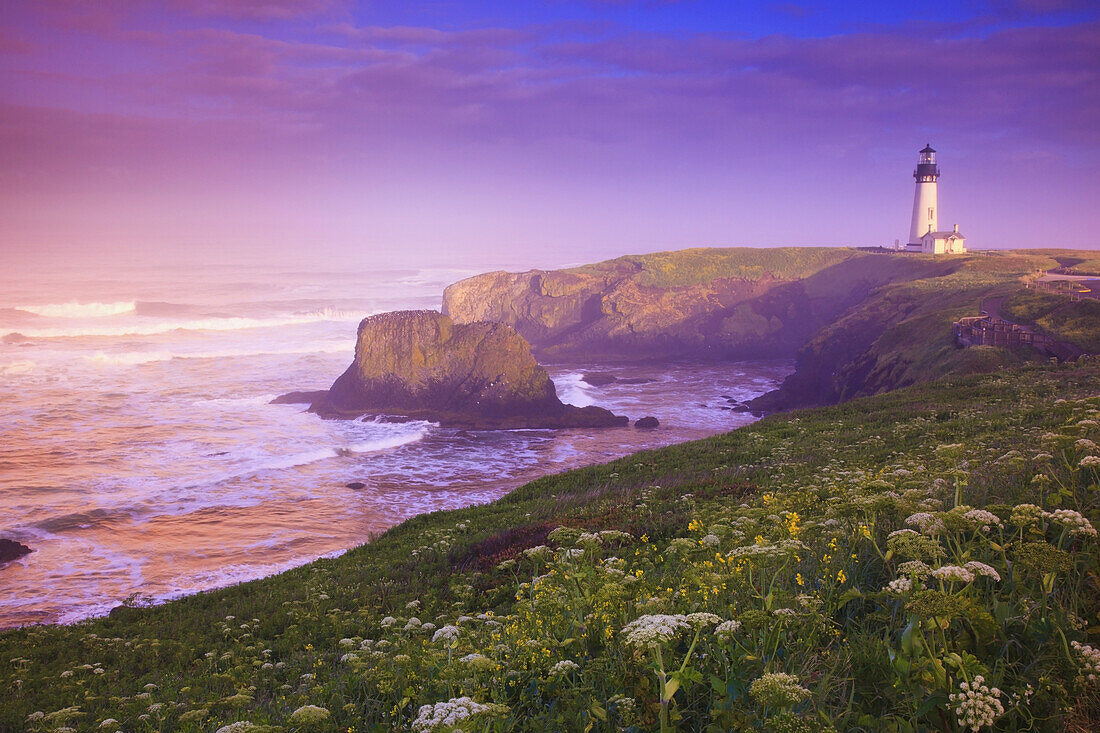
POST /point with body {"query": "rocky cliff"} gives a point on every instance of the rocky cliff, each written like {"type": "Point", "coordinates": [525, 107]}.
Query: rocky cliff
{"type": "Point", "coordinates": [709, 303]}
{"type": "Point", "coordinates": [480, 375]}
{"type": "Point", "coordinates": [858, 322]}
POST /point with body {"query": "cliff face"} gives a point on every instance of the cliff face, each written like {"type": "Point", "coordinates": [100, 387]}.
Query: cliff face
{"type": "Point", "coordinates": [857, 322]}
{"type": "Point", "coordinates": [720, 303]}
{"type": "Point", "coordinates": [422, 364]}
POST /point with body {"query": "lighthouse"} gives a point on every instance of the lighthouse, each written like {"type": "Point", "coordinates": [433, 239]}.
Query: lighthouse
{"type": "Point", "coordinates": [924, 199]}
{"type": "Point", "coordinates": [924, 234]}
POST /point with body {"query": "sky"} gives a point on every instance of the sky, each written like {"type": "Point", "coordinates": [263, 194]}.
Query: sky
{"type": "Point", "coordinates": [542, 133]}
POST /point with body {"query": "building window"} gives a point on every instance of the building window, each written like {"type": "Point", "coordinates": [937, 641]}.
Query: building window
{"type": "Point", "coordinates": [931, 213]}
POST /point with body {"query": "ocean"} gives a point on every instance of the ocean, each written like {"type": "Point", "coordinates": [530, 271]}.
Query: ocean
{"type": "Point", "coordinates": [140, 456]}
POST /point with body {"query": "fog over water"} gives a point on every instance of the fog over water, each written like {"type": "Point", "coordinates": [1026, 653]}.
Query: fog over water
{"type": "Point", "coordinates": [139, 452]}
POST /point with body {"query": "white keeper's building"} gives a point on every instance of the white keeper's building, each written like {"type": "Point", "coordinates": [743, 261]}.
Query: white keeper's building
{"type": "Point", "coordinates": [924, 234]}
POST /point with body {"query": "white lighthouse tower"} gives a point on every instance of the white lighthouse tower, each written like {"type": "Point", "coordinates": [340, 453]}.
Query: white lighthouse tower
{"type": "Point", "coordinates": [924, 199]}
{"type": "Point", "coordinates": [924, 234]}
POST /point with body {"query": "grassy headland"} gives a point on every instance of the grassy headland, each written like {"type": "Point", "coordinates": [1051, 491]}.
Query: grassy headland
{"type": "Point", "coordinates": [855, 567]}
{"type": "Point", "coordinates": [857, 322]}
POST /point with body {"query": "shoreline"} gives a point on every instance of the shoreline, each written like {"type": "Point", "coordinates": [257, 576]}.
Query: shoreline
{"type": "Point", "coordinates": [593, 448]}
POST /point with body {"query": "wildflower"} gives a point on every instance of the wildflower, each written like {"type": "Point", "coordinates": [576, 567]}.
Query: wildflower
{"type": "Point", "coordinates": [927, 522]}
{"type": "Point", "coordinates": [727, 629]}
{"type": "Point", "coordinates": [1086, 446]}
{"type": "Point", "coordinates": [309, 715]}
{"type": "Point", "coordinates": [980, 568]}
{"type": "Point", "coordinates": [1090, 462]}
{"type": "Point", "coordinates": [388, 622]}
{"type": "Point", "coordinates": [241, 726]}
{"type": "Point", "coordinates": [108, 724]}
{"type": "Point", "coordinates": [448, 633]}
{"type": "Point", "coordinates": [1089, 659]}
{"type": "Point", "coordinates": [699, 620]}
{"type": "Point", "coordinates": [413, 624]}
{"type": "Point", "coordinates": [976, 705]}
{"type": "Point", "coordinates": [778, 690]}
{"type": "Point", "coordinates": [563, 668]}
{"type": "Point", "coordinates": [712, 541]}
{"type": "Point", "coordinates": [412, 606]}
{"type": "Point", "coordinates": [446, 715]}
{"type": "Point", "coordinates": [983, 519]}
{"type": "Point", "coordinates": [67, 673]}
{"type": "Point", "coordinates": [653, 630]}
{"type": "Point", "coordinates": [784, 612]}
{"type": "Point", "coordinates": [953, 573]}
{"type": "Point", "coordinates": [1073, 521]}
{"type": "Point", "coordinates": [915, 569]}
{"type": "Point", "coordinates": [1025, 515]}
{"type": "Point", "coordinates": [899, 586]}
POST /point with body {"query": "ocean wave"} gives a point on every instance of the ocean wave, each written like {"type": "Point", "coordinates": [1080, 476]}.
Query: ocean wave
{"type": "Point", "coordinates": [573, 390]}
{"type": "Point", "coordinates": [73, 309]}
{"type": "Point", "coordinates": [375, 445]}
{"type": "Point", "coordinates": [135, 358]}
{"type": "Point", "coordinates": [151, 328]}
{"type": "Point", "coordinates": [18, 367]}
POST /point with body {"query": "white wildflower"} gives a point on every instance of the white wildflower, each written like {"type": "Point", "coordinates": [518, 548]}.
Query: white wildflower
{"type": "Point", "coordinates": [983, 519]}
{"type": "Point", "coordinates": [654, 629]}
{"type": "Point", "coordinates": [976, 705]}
{"type": "Point", "coordinates": [980, 568]}
{"type": "Point", "coordinates": [388, 622]}
{"type": "Point", "coordinates": [1086, 446]}
{"type": "Point", "coordinates": [899, 586]}
{"type": "Point", "coordinates": [309, 715]}
{"type": "Point", "coordinates": [727, 629]}
{"type": "Point", "coordinates": [953, 573]}
{"type": "Point", "coordinates": [1090, 462]}
{"type": "Point", "coordinates": [927, 522]}
{"type": "Point", "coordinates": [448, 633]}
{"type": "Point", "coordinates": [1089, 659]}
{"type": "Point", "coordinates": [413, 624]}
{"type": "Point", "coordinates": [564, 667]}
{"type": "Point", "coordinates": [915, 569]}
{"type": "Point", "coordinates": [1073, 521]}
{"type": "Point", "coordinates": [446, 714]}
{"type": "Point", "coordinates": [699, 620]}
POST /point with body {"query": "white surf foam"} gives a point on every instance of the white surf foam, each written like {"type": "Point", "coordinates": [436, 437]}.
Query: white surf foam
{"type": "Point", "coordinates": [572, 390]}
{"type": "Point", "coordinates": [277, 463]}
{"type": "Point", "coordinates": [152, 327]}
{"type": "Point", "coordinates": [73, 309]}
{"type": "Point", "coordinates": [133, 358]}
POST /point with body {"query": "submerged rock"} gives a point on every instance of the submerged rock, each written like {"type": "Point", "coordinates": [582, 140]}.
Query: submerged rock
{"type": "Point", "coordinates": [299, 398]}
{"type": "Point", "coordinates": [356, 485]}
{"type": "Point", "coordinates": [12, 550]}
{"type": "Point", "coordinates": [476, 375]}
{"type": "Point", "coordinates": [647, 422]}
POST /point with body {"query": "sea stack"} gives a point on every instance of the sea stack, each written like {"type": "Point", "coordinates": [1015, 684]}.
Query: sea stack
{"type": "Point", "coordinates": [422, 365]}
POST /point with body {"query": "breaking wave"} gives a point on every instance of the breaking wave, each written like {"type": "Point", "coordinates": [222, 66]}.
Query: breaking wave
{"type": "Point", "coordinates": [74, 309]}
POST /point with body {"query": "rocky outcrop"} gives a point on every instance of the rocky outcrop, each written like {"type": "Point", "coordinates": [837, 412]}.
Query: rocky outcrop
{"type": "Point", "coordinates": [421, 364]}
{"type": "Point", "coordinates": [12, 550]}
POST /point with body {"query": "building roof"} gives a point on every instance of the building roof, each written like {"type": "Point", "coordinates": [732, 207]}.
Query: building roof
{"type": "Point", "coordinates": [928, 148]}
{"type": "Point", "coordinates": [946, 235]}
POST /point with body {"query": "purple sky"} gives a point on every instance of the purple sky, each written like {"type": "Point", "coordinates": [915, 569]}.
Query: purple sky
{"type": "Point", "coordinates": [536, 133]}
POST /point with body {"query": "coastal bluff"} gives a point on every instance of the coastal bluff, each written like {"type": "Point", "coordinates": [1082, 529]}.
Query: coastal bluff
{"type": "Point", "coordinates": [855, 321]}
{"type": "Point", "coordinates": [422, 365]}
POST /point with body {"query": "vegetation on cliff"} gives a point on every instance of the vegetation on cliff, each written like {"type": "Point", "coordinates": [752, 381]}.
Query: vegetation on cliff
{"type": "Point", "coordinates": [923, 560]}
{"type": "Point", "coordinates": [858, 322]}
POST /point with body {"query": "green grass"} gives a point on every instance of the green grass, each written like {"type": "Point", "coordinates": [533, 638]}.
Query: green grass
{"type": "Point", "coordinates": [1077, 322]}
{"type": "Point", "coordinates": [711, 525]}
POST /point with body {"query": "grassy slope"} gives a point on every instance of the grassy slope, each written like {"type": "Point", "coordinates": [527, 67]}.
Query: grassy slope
{"type": "Point", "coordinates": [1075, 321]}
{"type": "Point", "coordinates": [901, 334]}
{"type": "Point", "coordinates": [833, 466]}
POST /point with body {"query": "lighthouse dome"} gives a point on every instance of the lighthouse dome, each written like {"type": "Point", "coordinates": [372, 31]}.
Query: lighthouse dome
{"type": "Point", "coordinates": [928, 149]}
